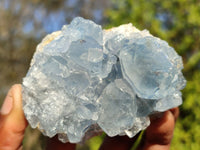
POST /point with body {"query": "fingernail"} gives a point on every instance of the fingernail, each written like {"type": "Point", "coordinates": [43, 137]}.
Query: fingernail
{"type": "Point", "coordinates": [7, 105]}
{"type": "Point", "coordinates": [157, 115]}
{"type": "Point", "coordinates": [20, 148]}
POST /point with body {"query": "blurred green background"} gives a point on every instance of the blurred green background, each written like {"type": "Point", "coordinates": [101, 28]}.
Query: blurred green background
{"type": "Point", "coordinates": [23, 23]}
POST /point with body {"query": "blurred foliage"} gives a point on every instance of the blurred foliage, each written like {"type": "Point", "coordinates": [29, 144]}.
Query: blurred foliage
{"type": "Point", "coordinates": [177, 22]}
{"type": "Point", "coordinates": [23, 23]}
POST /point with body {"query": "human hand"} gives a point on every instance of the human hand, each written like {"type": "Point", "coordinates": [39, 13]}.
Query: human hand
{"type": "Point", "coordinates": [12, 120]}
{"type": "Point", "coordinates": [157, 136]}
{"type": "Point", "coordinates": [13, 124]}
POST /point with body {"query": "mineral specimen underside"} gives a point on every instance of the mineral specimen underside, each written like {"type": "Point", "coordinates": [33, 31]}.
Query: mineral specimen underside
{"type": "Point", "coordinates": [84, 80]}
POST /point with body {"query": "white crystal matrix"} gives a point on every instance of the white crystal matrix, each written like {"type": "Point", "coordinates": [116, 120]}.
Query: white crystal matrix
{"type": "Point", "coordinates": [84, 80]}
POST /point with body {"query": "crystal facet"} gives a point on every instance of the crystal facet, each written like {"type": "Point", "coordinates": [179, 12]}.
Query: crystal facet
{"type": "Point", "coordinates": [84, 80]}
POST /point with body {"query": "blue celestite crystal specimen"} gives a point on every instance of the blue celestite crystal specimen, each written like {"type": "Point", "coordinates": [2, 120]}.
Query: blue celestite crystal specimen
{"type": "Point", "coordinates": [84, 80]}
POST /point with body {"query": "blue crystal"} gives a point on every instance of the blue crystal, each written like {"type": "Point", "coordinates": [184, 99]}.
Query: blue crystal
{"type": "Point", "coordinates": [84, 80]}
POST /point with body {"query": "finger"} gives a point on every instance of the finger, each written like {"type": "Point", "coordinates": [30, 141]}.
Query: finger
{"type": "Point", "coordinates": [175, 112]}
{"type": "Point", "coordinates": [118, 143]}
{"type": "Point", "coordinates": [159, 134]}
{"type": "Point", "coordinates": [12, 120]}
{"type": "Point", "coordinates": [55, 144]}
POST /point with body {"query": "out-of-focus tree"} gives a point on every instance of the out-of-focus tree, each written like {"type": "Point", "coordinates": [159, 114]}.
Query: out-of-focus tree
{"type": "Point", "coordinates": [177, 22]}
{"type": "Point", "coordinates": [23, 23]}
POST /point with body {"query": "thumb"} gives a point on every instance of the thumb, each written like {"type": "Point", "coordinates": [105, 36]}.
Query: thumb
{"type": "Point", "coordinates": [12, 120]}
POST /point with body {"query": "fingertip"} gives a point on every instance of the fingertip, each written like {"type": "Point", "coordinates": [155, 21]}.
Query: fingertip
{"type": "Point", "coordinates": [13, 124]}
{"type": "Point", "coordinates": [16, 92]}
{"type": "Point", "coordinates": [160, 133]}
{"type": "Point", "coordinates": [175, 111]}
{"type": "Point", "coordinates": [17, 116]}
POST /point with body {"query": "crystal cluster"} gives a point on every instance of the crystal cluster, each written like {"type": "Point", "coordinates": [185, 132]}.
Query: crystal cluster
{"type": "Point", "coordinates": [84, 80]}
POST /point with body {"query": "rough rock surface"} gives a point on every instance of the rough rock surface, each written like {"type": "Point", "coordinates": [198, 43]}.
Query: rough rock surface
{"type": "Point", "coordinates": [83, 80]}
